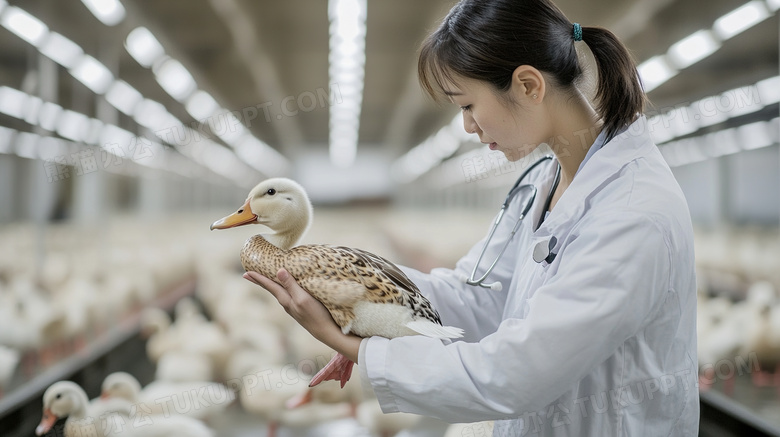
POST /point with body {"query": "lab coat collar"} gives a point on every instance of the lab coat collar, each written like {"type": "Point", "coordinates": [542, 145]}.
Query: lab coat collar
{"type": "Point", "coordinates": [626, 147]}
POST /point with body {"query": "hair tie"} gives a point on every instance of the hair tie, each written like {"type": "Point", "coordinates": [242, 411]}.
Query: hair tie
{"type": "Point", "coordinates": [577, 32]}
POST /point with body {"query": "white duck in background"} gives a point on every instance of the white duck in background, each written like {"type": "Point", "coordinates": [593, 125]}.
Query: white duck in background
{"type": "Point", "coordinates": [366, 294]}
{"type": "Point", "coordinates": [370, 415]}
{"type": "Point", "coordinates": [164, 398]}
{"type": "Point", "coordinates": [155, 324]}
{"type": "Point", "coordinates": [267, 395]}
{"type": "Point", "coordinates": [67, 399]}
{"type": "Point", "coordinates": [180, 367]}
{"type": "Point", "coordinates": [197, 335]}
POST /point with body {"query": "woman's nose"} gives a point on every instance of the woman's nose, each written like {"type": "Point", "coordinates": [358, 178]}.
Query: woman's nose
{"type": "Point", "coordinates": [469, 124]}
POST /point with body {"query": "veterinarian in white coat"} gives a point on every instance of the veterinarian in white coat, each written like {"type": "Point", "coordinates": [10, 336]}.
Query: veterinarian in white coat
{"type": "Point", "coordinates": [596, 337]}
{"type": "Point", "coordinates": [601, 341]}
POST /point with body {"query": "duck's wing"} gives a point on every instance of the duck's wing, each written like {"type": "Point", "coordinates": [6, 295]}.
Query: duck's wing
{"type": "Point", "coordinates": [386, 282]}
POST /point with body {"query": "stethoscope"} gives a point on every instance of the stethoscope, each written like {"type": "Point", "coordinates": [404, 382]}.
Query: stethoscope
{"type": "Point", "coordinates": [528, 201]}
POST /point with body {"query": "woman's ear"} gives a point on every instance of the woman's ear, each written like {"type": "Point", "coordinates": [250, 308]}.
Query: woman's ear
{"type": "Point", "coordinates": [528, 84]}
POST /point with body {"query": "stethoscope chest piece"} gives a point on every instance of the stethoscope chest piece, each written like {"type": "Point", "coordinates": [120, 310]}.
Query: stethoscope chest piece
{"type": "Point", "coordinates": [543, 250]}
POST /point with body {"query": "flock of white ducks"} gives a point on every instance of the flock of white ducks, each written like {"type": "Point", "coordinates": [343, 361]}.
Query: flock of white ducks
{"type": "Point", "coordinates": [738, 320]}
{"type": "Point", "coordinates": [58, 307]}
{"type": "Point", "coordinates": [246, 334]}
{"type": "Point", "coordinates": [56, 295]}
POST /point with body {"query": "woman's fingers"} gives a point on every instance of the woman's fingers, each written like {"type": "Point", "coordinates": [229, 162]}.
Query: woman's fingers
{"type": "Point", "coordinates": [278, 291]}
{"type": "Point", "coordinates": [297, 294]}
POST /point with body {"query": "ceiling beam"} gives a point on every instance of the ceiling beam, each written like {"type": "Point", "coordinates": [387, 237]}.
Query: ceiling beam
{"type": "Point", "coordinates": [410, 107]}
{"type": "Point", "coordinates": [261, 69]}
{"type": "Point", "coordinates": [637, 18]}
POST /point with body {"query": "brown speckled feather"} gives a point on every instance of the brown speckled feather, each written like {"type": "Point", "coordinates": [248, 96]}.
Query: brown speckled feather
{"type": "Point", "coordinates": [339, 276]}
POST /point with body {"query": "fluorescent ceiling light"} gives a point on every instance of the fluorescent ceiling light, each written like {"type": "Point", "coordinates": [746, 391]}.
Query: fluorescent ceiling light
{"type": "Point", "coordinates": [61, 50]}
{"type": "Point", "coordinates": [773, 5]}
{"type": "Point", "coordinates": [50, 147]}
{"type": "Point", "coordinates": [123, 97]}
{"type": "Point", "coordinates": [3, 4]}
{"type": "Point", "coordinates": [774, 129]}
{"type": "Point", "coordinates": [13, 102]}
{"type": "Point", "coordinates": [48, 116]}
{"type": "Point", "coordinates": [32, 109]}
{"type": "Point", "coordinates": [708, 112]}
{"type": "Point", "coordinates": [755, 135]}
{"type": "Point", "coordinates": [724, 142]}
{"type": "Point", "coordinates": [24, 25]}
{"type": "Point", "coordinates": [143, 46]}
{"type": "Point", "coordinates": [219, 159]}
{"type": "Point", "coordinates": [232, 131]}
{"type": "Point", "coordinates": [201, 105]}
{"type": "Point", "coordinates": [91, 131]}
{"type": "Point", "coordinates": [111, 136]}
{"type": "Point", "coordinates": [71, 125]}
{"type": "Point", "coordinates": [740, 19]}
{"type": "Point", "coordinates": [347, 68]}
{"type": "Point", "coordinates": [693, 49]}
{"type": "Point", "coordinates": [769, 90]}
{"type": "Point", "coordinates": [150, 114]}
{"type": "Point", "coordinates": [654, 72]}
{"type": "Point", "coordinates": [92, 74]}
{"type": "Point", "coordinates": [109, 12]}
{"type": "Point", "coordinates": [261, 156]}
{"type": "Point", "coordinates": [26, 145]}
{"type": "Point", "coordinates": [175, 79]}
{"type": "Point", "coordinates": [6, 139]}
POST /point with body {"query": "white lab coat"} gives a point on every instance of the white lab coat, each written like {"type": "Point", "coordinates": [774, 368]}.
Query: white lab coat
{"type": "Point", "coordinates": [600, 342]}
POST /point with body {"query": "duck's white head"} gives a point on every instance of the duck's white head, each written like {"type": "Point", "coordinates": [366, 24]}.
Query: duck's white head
{"type": "Point", "coordinates": [279, 203]}
{"type": "Point", "coordinates": [154, 320]}
{"type": "Point", "coordinates": [120, 385]}
{"type": "Point", "coordinates": [61, 399]}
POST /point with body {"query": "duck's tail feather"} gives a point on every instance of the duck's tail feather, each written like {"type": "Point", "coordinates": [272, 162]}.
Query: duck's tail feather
{"type": "Point", "coordinates": [430, 329]}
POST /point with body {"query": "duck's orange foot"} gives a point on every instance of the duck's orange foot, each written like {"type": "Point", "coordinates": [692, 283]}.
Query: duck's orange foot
{"type": "Point", "coordinates": [339, 369]}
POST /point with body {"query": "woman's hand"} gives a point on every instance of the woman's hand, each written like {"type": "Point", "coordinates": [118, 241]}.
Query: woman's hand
{"type": "Point", "coordinates": [308, 312]}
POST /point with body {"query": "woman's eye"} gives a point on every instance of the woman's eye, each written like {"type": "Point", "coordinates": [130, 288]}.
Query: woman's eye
{"type": "Point", "coordinates": [270, 192]}
{"type": "Point", "coordinates": [466, 108]}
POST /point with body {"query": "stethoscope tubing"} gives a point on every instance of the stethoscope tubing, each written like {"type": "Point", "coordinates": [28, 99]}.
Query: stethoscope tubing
{"type": "Point", "coordinates": [471, 280]}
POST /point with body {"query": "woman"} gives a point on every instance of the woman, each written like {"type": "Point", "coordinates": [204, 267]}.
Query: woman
{"type": "Point", "coordinates": [594, 331]}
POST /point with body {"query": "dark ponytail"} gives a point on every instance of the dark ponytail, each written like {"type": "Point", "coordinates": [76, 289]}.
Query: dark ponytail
{"type": "Point", "coordinates": [619, 94]}
{"type": "Point", "coordinates": [488, 39]}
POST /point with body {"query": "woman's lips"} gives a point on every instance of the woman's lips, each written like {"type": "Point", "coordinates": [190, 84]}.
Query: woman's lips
{"type": "Point", "coordinates": [493, 146]}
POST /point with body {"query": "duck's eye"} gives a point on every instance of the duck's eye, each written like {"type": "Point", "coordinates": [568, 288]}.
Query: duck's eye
{"type": "Point", "coordinates": [59, 395]}
{"type": "Point", "coordinates": [270, 192]}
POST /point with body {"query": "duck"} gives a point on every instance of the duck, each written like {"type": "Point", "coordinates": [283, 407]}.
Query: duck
{"type": "Point", "coordinates": [155, 323]}
{"type": "Point", "coordinates": [66, 399]}
{"type": "Point", "coordinates": [266, 391]}
{"type": "Point", "coordinates": [371, 417]}
{"type": "Point", "coordinates": [365, 294]}
{"type": "Point", "coordinates": [167, 399]}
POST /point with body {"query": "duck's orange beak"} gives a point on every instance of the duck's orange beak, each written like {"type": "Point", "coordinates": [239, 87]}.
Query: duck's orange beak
{"type": "Point", "coordinates": [243, 216]}
{"type": "Point", "coordinates": [47, 421]}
